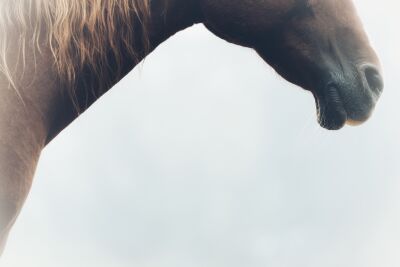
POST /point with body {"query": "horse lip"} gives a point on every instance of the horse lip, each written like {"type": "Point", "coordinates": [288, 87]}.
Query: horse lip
{"type": "Point", "coordinates": [331, 112]}
{"type": "Point", "coordinates": [351, 122]}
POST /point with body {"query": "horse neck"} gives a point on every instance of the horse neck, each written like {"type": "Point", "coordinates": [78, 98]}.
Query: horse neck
{"type": "Point", "coordinates": [40, 110]}
{"type": "Point", "coordinates": [167, 18]}
{"type": "Point", "coordinates": [171, 16]}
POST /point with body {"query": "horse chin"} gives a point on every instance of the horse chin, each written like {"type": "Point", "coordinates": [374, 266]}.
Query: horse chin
{"type": "Point", "coordinates": [331, 112]}
{"type": "Point", "coordinates": [332, 119]}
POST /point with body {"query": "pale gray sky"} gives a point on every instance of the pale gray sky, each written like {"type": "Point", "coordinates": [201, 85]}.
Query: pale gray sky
{"type": "Point", "coordinates": [203, 156]}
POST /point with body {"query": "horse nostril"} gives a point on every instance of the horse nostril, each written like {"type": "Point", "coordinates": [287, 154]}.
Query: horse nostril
{"type": "Point", "coordinates": [374, 79]}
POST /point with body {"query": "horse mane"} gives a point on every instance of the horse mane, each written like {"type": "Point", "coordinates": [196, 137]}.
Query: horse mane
{"type": "Point", "coordinates": [83, 35]}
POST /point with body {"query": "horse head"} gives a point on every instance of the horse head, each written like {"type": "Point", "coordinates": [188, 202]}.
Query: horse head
{"type": "Point", "coordinates": [319, 45]}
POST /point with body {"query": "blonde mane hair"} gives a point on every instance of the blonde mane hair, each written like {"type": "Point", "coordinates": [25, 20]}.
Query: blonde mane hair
{"type": "Point", "coordinates": [83, 35]}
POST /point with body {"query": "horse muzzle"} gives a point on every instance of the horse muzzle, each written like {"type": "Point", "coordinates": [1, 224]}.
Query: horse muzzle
{"type": "Point", "coordinates": [350, 99]}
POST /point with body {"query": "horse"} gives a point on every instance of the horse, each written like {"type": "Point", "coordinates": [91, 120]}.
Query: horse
{"type": "Point", "coordinates": [59, 56]}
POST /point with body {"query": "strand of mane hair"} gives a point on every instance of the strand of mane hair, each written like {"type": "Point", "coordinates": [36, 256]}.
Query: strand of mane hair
{"type": "Point", "coordinates": [83, 36]}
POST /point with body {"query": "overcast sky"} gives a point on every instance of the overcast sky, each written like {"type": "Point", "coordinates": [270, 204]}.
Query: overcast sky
{"type": "Point", "coordinates": [203, 156]}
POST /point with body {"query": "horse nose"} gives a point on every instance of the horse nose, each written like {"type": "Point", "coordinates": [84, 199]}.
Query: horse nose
{"type": "Point", "coordinates": [373, 78]}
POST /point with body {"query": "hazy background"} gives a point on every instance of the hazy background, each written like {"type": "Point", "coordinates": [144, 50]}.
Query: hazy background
{"type": "Point", "coordinates": [203, 156]}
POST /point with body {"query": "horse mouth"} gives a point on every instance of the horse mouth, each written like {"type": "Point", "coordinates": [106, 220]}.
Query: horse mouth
{"type": "Point", "coordinates": [331, 111]}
